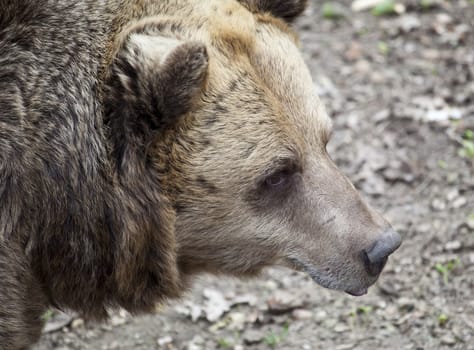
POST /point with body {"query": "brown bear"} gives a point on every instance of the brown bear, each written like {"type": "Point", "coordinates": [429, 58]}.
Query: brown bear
{"type": "Point", "coordinates": [144, 141]}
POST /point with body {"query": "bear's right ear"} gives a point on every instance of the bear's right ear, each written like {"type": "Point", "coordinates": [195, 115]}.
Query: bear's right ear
{"type": "Point", "coordinates": [285, 9]}
{"type": "Point", "coordinates": [154, 77]}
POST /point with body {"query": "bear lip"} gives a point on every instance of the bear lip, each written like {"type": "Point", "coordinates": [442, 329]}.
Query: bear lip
{"type": "Point", "coordinates": [357, 292]}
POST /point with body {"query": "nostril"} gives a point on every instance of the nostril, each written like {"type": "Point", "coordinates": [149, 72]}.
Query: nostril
{"type": "Point", "coordinates": [376, 257]}
{"type": "Point", "coordinates": [374, 267]}
{"type": "Point", "coordinates": [385, 245]}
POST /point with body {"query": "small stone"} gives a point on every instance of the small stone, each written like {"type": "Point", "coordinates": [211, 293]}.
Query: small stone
{"type": "Point", "coordinates": [471, 258]}
{"type": "Point", "coordinates": [448, 339]}
{"type": "Point", "coordinates": [407, 23]}
{"type": "Point", "coordinates": [165, 340]}
{"type": "Point", "coordinates": [271, 285]}
{"type": "Point", "coordinates": [340, 328]}
{"type": "Point", "coordinates": [406, 304]}
{"type": "Point", "coordinates": [78, 322]}
{"type": "Point", "coordinates": [382, 115]}
{"type": "Point", "coordinates": [302, 314]}
{"type": "Point", "coordinates": [459, 202]}
{"type": "Point", "coordinates": [362, 66]}
{"type": "Point", "coordinates": [252, 336]}
{"type": "Point", "coordinates": [470, 222]}
{"type": "Point", "coordinates": [345, 346]}
{"type": "Point", "coordinates": [321, 315]}
{"type": "Point", "coordinates": [444, 18]}
{"type": "Point", "coordinates": [116, 320]}
{"type": "Point", "coordinates": [196, 343]}
{"type": "Point", "coordinates": [354, 52]}
{"type": "Point", "coordinates": [452, 194]}
{"type": "Point", "coordinates": [438, 204]}
{"type": "Point", "coordinates": [453, 245]}
{"type": "Point", "coordinates": [282, 302]}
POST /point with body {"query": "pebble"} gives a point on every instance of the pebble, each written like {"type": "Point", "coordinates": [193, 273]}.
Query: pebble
{"type": "Point", "coordinates": [470, 222]}
{"type": "Point", "coordinates": [452, 194]}
{"type": "Point", "coordinates": [302, 314]}
{"type": "Point", "coordinates": [340, 328]}
{"type": "Point", "coordinates": [453, 245]}
{"type": "Point", "coordinates": [362, 66]}
{"type": "Point", "coordinates": [471, 258]}
{"type": "Point", "coordinates": [78, 322]}
{"type": "Point", "coordinates": [252, 336]}
{"type": "Point", "coordinates": [407, 23]}
{"type": "Point", "coordinates": [196, 343]}
{"type": "Point", "coordinates": [165, 340]}
{"type": "Point", "coordinates": [459, 202]}
{"type": "Point", "coordinates": [438, 204]}
{"type": "Point", "coordinates": [116, 320]}
{"type": "Point", "coordinates": [321, 315]}
{"type": "Point", "coordinates": [406, 304]}
{"type": "Point", "coordinates": [448, 339]}
{"type": "Point", "coordinates": [283, 301]}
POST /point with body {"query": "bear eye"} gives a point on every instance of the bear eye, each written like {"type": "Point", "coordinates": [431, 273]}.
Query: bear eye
{"type": "Point", "coordinates": [278, 179]}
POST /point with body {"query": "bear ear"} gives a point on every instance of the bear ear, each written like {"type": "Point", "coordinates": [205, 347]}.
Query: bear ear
{"type": "Point", "coordinates": [155, 77]}
{"type": "Point", "coordinates": [285, 9]}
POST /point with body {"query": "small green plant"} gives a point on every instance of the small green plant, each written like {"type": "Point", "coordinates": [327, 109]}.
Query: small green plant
{"type": "Point", "coordinates": [445, 269]}
{"type": "Point", "coordinates": [467, 145]}
{"type": "Point", "coordinates": [442, 164]}
{"type": "Point", "coordinates": [442, 319]}
{"type": "Point", "coordinates": [364, 310]}
{"type": "Point", "coordinates": [468, 135]}
{"type": "Point", "coordinates": [427, 4]}
{"type": "Point", "coordinates": [273, 338]}
{"type": "Point", "coordinates": [383, 48]}
{"type": "Point", "coordinates": [467, 149]}
{"type": "Point", "coordinates": [224, 343]}
{"type": "Point", "coordinates": [331, 11]}
{"type": "Point", "coordinates": [384, 8]}
{"type": "Point", "coordinates": [47, 315]}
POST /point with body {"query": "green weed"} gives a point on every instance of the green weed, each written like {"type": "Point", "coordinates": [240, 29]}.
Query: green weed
{"type": "Point", "coordinates": [273, 338]}
{"type": "Point", "coordinates": [442, 320]}
{"type": "Point", "coordinates": [442, 164]}
{"type": "Point", "coordinates": [445, 269]}
{"type": "Point", "coordinates": [224, 343]}
{"type": "Point", "coordinates": [331, 11]}
{"type": "Point", "coordinates": [383, 48]}
{"type": "Point", "coordinates": [384, 8]}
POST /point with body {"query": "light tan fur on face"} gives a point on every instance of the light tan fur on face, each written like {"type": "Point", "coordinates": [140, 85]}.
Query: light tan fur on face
{"type": "Point", "coordinates": [259, 109]}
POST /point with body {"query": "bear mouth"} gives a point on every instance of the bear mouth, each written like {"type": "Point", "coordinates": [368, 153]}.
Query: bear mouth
{"type": "Point", "coordinates": [357, 292]}
{"type": "Point", "coordinates": [324, 280]}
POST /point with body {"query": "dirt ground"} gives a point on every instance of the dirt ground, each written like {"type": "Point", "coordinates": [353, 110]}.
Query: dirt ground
{"type": "Point", "coordinates": [400, 90]}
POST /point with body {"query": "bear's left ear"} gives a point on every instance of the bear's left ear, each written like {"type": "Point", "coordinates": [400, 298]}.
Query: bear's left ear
{"type": "Point", "coordinates": [154, 78]}
{"type": "Point", "coordinates": [285, 9]}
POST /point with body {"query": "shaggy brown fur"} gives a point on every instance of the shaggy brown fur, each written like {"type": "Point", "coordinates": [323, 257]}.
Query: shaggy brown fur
{"type": "Point", "coordinates": [145, 141]}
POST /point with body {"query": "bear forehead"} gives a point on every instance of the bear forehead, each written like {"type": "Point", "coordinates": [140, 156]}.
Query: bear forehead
{"type": "Point", "coordinates": [266, 50]}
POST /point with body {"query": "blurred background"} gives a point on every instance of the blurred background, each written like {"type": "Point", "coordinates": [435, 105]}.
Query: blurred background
{"type": "Point", "coordinates": [397, 77]}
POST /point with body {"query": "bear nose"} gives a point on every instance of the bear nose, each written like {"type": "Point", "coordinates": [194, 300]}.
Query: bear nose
{"type": "Point", "coordinates": [376, 257]}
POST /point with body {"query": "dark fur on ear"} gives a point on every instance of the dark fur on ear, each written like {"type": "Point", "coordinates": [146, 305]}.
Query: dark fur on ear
{"type": "Point", "coordinates": [285, 9]}
{"type": "Point", "coordinates": [181, 79]}
{"type": "Point", "coordinates": [153, 81]}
